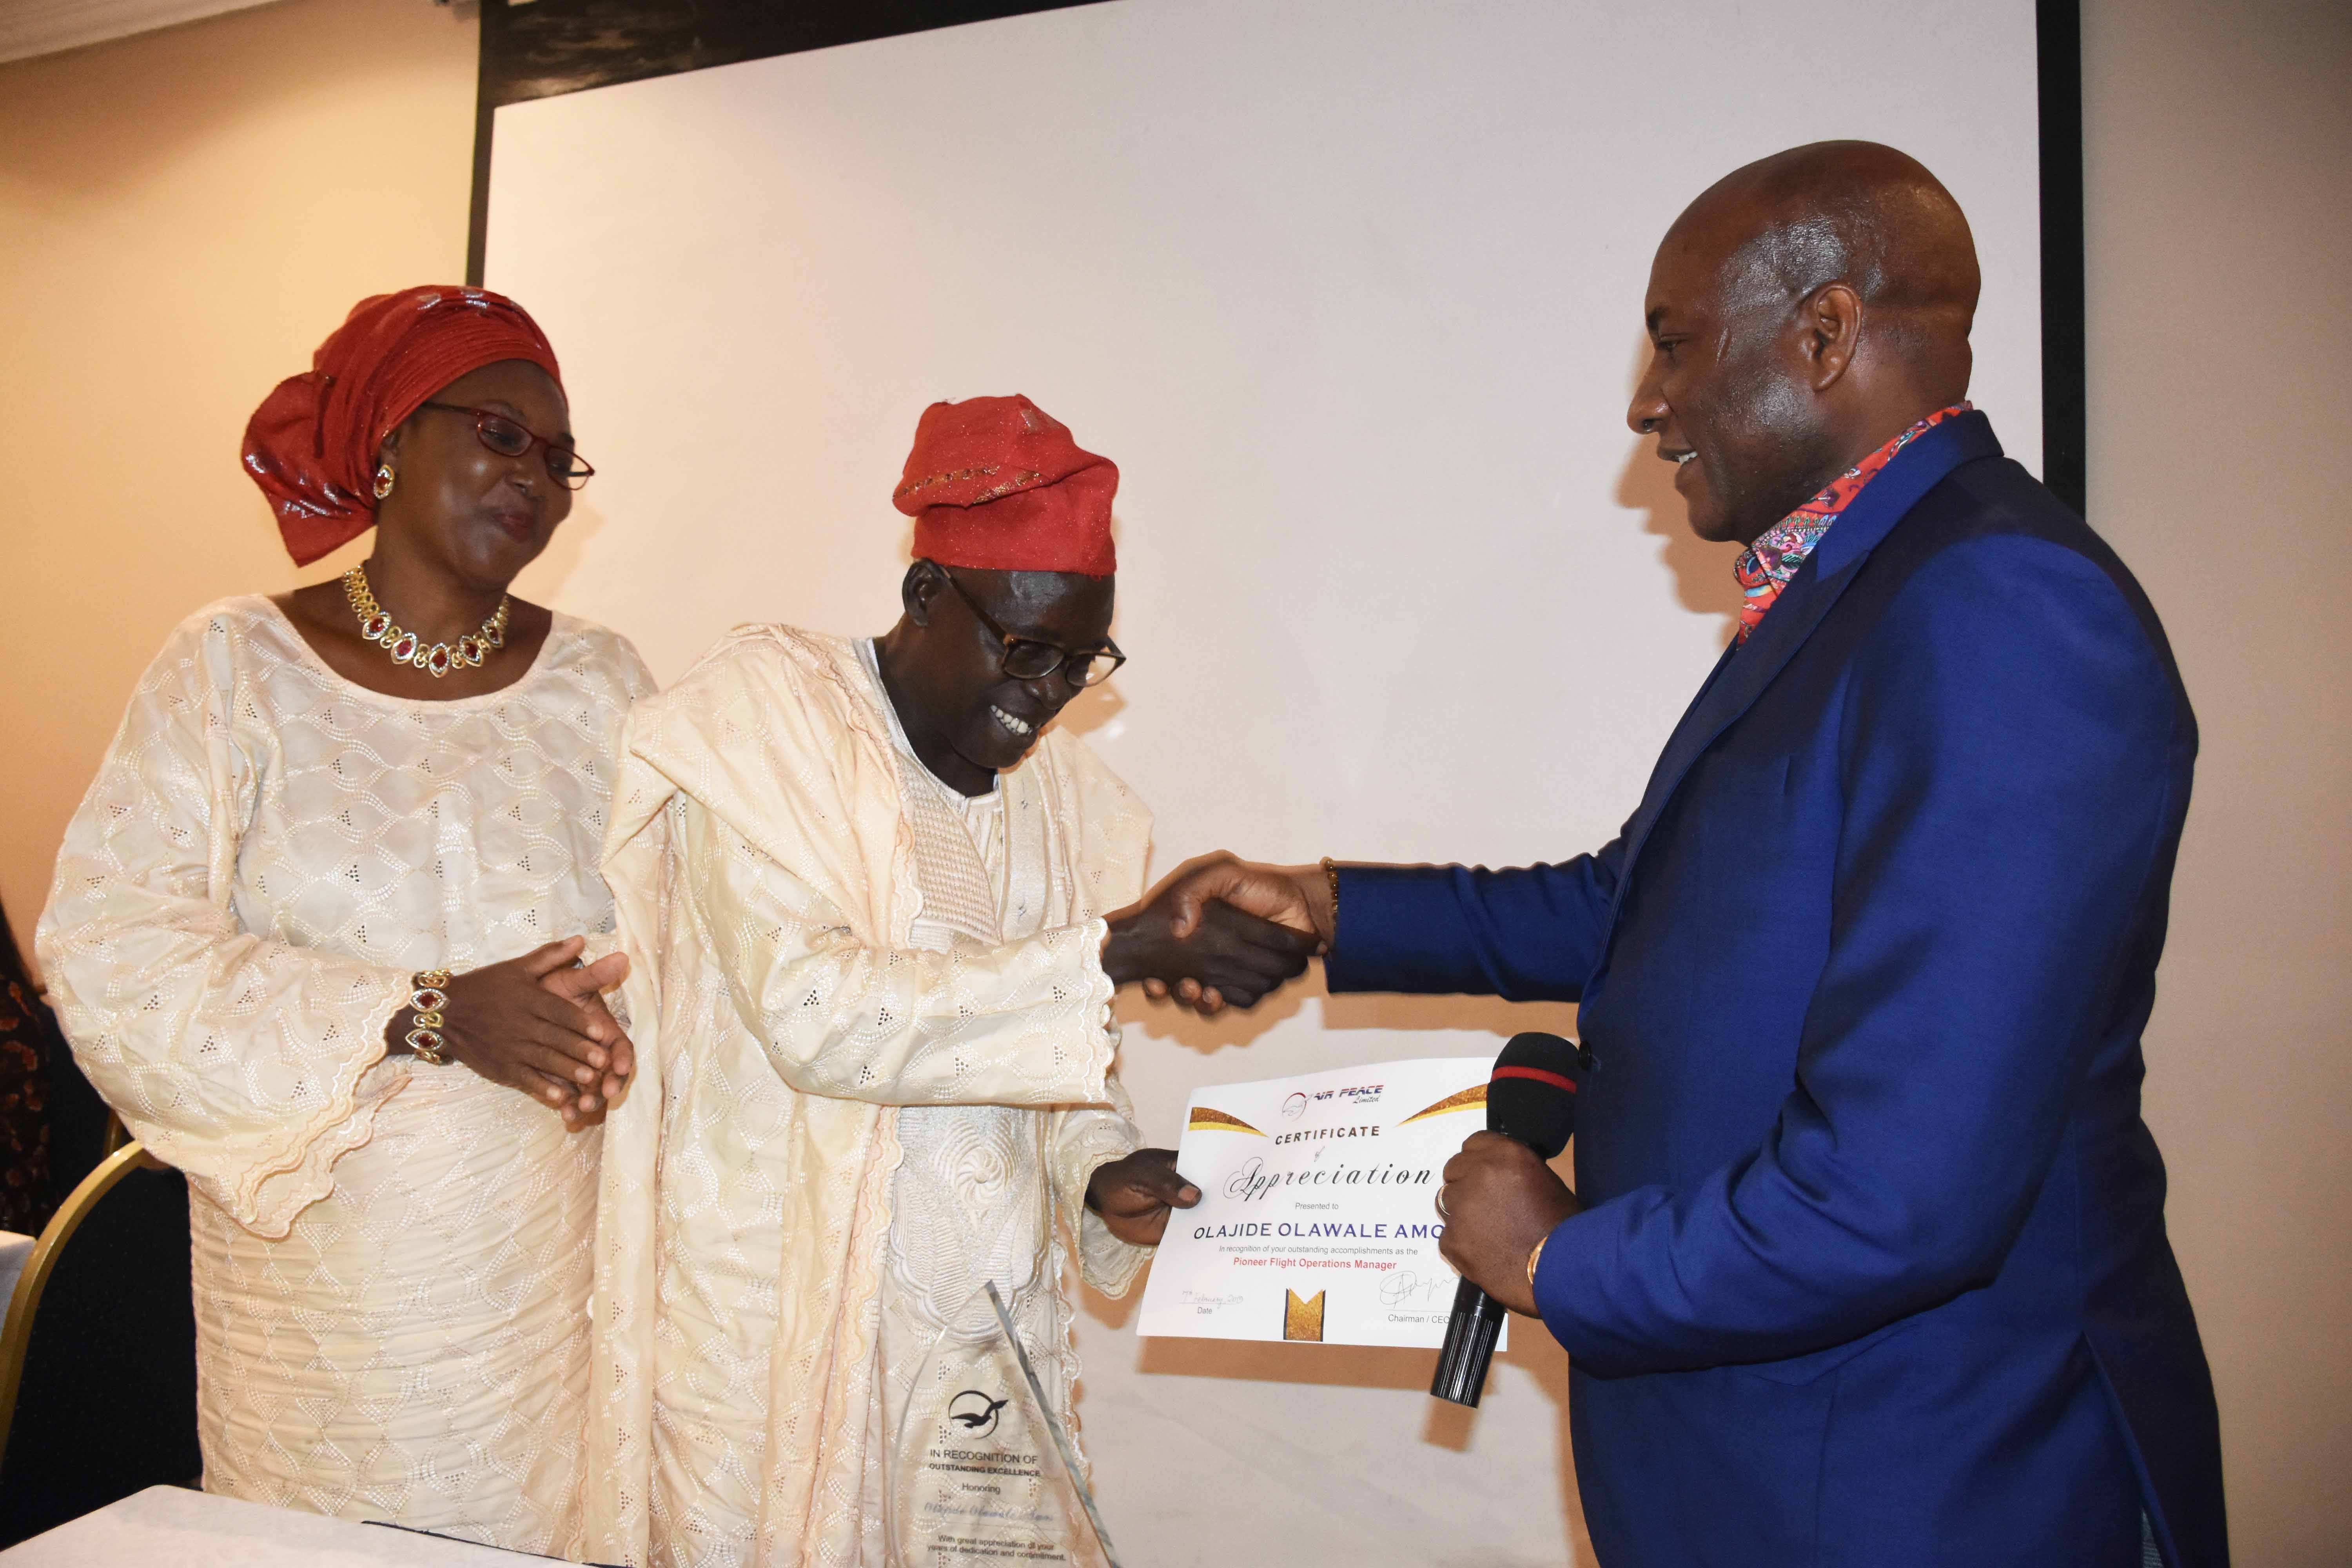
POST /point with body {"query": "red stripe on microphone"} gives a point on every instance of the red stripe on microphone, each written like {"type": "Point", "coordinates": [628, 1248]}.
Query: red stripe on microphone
{"type": "Point", "coordinates": [1553, 1078]}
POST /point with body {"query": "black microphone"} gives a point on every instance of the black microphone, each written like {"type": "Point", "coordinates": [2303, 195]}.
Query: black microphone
{"type": "Point", "coordinates": [1530, 1097]}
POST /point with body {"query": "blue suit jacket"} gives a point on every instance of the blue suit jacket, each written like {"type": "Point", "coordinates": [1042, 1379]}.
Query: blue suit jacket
{"type": "Point", "coordinates": [1872, 1268]}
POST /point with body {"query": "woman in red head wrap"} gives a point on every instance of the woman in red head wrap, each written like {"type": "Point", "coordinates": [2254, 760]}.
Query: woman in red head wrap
{"type": "Point", "coordinates": [314, 933]}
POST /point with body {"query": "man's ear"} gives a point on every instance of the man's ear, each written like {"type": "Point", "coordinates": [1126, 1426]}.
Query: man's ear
{"type": "Point", "coordinates": [1829, 325]}
{"type": "Point", "coordinates": [918, 590]}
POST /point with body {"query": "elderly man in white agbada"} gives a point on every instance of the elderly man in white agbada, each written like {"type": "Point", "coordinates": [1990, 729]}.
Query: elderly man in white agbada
{"type": "Point", "coordinates": [866, 888]}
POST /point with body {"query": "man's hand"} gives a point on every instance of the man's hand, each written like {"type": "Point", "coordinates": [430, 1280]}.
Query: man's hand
{"type": "Point", "coordinates": [1225, 952]}
{"type": "Point", "coordinates": [1498, 1201]}
{"type": "Point", "coordinates": [1299, 897]}
{"type": "Point", "coordinates": [1133, 1196]}
{"type": "Point", "coordinates": [1295, 896]}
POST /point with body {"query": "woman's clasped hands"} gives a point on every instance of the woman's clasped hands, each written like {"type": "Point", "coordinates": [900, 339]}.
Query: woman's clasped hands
{"type": "Point", "coordinates": [538, 1025]}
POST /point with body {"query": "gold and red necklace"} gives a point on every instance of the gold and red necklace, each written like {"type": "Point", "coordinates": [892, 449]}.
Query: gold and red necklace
{"type": "Point", "coordinates": [406, 648]}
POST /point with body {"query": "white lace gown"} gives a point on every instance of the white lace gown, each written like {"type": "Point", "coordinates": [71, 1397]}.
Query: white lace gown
{"type": "Point", "coordinates": [392, 1260]}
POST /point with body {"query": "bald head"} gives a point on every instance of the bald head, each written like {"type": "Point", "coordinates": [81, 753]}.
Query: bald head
{"type": "Point", "coordinates": [1855, 213]}
{"type": "Point", "coordinates": [1803, 311]}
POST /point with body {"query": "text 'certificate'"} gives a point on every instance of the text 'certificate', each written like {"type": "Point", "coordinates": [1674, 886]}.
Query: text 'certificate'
{"type": "Point", "coordinates": [1317, 1218]}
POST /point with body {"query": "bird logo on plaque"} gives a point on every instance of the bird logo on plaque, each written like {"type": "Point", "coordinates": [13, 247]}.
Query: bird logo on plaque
{"type": "Point", "coordinates": [975, 1412]}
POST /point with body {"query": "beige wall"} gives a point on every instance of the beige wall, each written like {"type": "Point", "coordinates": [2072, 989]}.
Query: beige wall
{"type": "Point", "coordinates": [182, 215]}
{"type": "Point", "coordinates": [2219, 146]}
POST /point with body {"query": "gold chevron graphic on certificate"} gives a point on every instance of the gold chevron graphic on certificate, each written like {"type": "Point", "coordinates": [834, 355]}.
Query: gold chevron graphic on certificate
{"type": "Point", "coordinates": [1206, 1118]}
{"type": "Point", "coordinates": [1471, 1098]}
{"type": "Point", "coordinates": [1302, 1316]}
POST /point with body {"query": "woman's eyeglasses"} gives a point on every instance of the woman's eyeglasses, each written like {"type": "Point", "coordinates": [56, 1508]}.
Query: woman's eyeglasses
{"type": "Point", "coordinates": [511, 440]}
{"type": "Point", "coordinates": [1027, 659]}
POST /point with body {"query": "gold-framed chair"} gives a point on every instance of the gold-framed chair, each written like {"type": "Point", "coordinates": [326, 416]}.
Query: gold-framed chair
{"type": "Point", "coordinates": [112, 1363]}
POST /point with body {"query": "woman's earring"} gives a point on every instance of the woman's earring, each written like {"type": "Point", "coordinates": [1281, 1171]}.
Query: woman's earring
{"type": "Point", "coordinates": [383, 480]}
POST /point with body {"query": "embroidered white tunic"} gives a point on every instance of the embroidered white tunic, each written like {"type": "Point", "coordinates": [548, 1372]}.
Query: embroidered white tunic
{"type": "Point", "coordinates": [881, 1073]}
{"type": "Point", "coordinates": [391, 1260]}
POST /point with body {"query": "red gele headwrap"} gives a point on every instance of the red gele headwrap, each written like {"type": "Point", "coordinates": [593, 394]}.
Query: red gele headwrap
{"type": "Point", "coordinates": [312, 445]}
{"type": "Point", "coordinates": [997, 484]}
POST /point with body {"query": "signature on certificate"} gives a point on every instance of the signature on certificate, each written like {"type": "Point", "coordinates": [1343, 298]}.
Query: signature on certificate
{"type": "Point", "coordinates": [1406, 1288]}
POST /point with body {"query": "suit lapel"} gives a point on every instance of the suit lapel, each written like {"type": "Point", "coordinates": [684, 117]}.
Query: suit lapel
{"type": "Point", "coordinates": [1746, 670]}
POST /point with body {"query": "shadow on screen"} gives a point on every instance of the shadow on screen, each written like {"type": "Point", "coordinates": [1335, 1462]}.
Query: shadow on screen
{"type": "Point", "coordinates": [1405, 1015]}
{"type": "Point", "coordinates": [1702, 581]}
{"type": "Point", "coordinates": [1534, 1354]}
{"type": "Point", "coordinates": [1092, 709]}
{"type": "Point", "coordinates": [544, 578]}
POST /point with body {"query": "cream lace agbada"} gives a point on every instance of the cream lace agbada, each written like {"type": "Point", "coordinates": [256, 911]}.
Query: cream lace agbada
{"type": "Point", "coordinates": [825, 936]}
{"type": "Point", "coordinates": [391, 1260]}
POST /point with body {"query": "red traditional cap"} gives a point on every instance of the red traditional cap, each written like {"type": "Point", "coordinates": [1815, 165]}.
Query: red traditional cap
{"type": "Point", "coordinates": [312, 445]}
{"type": "Point", "coordinates": [997, 484]}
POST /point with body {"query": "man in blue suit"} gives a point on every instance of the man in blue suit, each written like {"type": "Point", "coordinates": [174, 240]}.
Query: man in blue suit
{"type": "Point", "coordinates": [1866, 1263]}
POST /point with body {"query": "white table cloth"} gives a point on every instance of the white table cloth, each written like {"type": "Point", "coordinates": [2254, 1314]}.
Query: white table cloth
{"type": "Point", "coordinates": [167, 1525]}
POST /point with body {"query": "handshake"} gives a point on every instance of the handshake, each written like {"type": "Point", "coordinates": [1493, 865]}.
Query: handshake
{"type": "Point", "coordinates": [1221, 932]}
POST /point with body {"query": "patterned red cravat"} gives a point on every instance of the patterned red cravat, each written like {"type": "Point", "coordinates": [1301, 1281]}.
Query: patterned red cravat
{"type": "Point", "coordinates": [1765, 567]}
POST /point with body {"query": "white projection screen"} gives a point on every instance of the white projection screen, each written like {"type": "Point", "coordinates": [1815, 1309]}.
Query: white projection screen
{"type": "Point", "coordinates": [1351, 291]}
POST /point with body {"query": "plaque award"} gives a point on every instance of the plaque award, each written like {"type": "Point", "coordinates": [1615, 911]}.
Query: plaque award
{"type": "Point", "coordinates": [985, 1475]}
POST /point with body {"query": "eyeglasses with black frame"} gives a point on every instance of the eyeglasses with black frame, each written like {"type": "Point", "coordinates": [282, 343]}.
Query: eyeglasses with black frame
{"type": "Point", "coordinates": [513, 438]}
{"type": "Point", "coordinates": [1031, 658]}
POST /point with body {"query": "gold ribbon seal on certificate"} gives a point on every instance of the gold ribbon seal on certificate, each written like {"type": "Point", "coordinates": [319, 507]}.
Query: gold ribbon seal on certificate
{"type": "Point", "coordinates": [1471, 1098]}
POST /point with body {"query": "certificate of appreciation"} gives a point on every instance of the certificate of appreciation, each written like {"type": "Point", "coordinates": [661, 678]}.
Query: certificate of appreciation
{"type": "Point", "coordinates": [1317, 1218]}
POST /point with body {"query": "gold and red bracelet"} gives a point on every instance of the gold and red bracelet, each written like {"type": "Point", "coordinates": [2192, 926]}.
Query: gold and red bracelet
{"type": "Point", "coordinates": [428, 996]}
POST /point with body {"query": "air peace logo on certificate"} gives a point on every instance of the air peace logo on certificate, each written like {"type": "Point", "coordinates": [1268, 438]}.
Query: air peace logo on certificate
{"type": "Point", "coordinates": [1317, 1218]}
